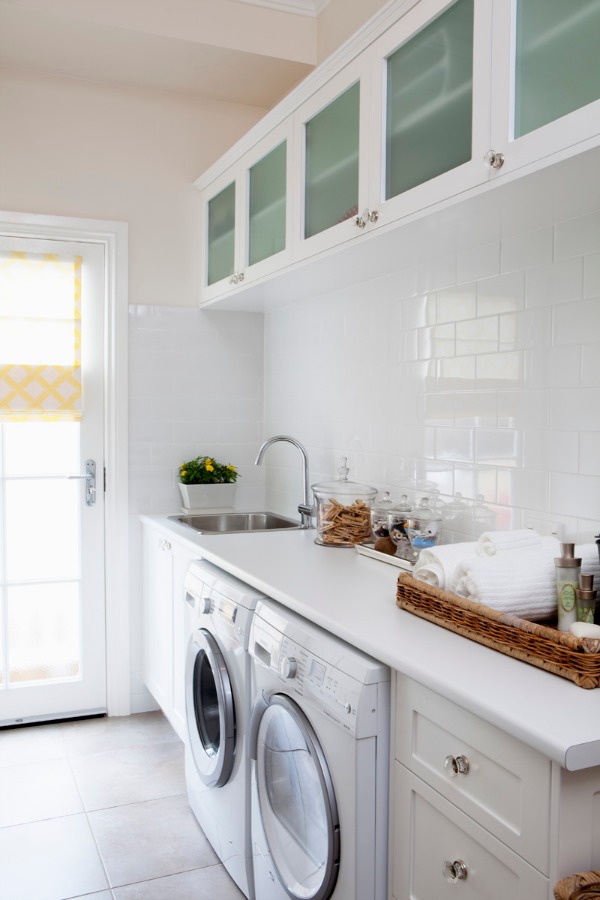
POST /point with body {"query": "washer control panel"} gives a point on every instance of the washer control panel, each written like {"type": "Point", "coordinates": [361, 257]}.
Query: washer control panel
{"type": "Point", "coordinates": [306, 675]}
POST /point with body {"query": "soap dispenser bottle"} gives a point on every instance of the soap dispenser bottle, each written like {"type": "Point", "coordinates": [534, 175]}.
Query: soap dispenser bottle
{"type": "Point", "coordinates": [568, 568]}
{"type": "Point", "coordinates": [586, 599]}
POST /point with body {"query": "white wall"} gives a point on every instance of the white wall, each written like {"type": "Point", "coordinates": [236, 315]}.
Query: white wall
{"type": "Point", "coordinates": [78, 148]}
{"type": "Point", "coordinates": [474, 367]}
{"type": "Point", "coordinates": [340, 20]}
{"type": "Point", "coordinates": [195, 389]}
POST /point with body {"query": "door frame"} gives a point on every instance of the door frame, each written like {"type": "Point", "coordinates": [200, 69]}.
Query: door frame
{"type": "Point", "coordinates": [113, 236]}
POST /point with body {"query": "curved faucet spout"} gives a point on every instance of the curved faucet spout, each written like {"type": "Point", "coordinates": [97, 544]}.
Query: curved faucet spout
{"type": "Point", "coordinates": [305, 508]}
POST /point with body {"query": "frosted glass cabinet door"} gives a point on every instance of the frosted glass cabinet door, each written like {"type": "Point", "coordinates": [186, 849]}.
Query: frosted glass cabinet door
{"type": "Point", "coordinates": [265, 235]}
{"type": "Point", "coordinates": [220, 249]}
{"type": "Point", "coordinates": [267, 206]}
{"type": "Point", "coordinates": [331, 163]}
{"type": "Point", "coordinates": [557, 60]}
{"type": "Point", "coordinates": [332, 130]}
{"type": "Point", "coordinates": [547, 79]}
{"type": "Point", "coordinates": [433, 118]}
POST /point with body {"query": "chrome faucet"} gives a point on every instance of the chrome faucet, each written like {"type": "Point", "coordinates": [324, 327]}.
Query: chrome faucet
{"type": "Point", "coordinates": [304, 508]}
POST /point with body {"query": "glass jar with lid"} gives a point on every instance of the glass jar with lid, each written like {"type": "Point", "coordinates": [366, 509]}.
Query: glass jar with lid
{"type": "Point", "coordinates": [379, 516]}
{"type": "Point", "coordinates": [397, 521]}
{"type": "Point", "coordinates": [343, 510]}
{"type": "Point", "coordinates": [423, 525]}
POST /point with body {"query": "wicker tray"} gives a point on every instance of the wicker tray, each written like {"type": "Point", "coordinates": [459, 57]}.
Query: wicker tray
{"type": "Point", "coordinates": [577, 659]}
{"type": "Point", "coordinates": [582, 884]}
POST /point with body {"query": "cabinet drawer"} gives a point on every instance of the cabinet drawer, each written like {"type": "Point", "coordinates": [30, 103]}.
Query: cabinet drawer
{"type": "Point", "coordinates": [433, 835]}
{"type": "Point", "coordinates": [501, 783]}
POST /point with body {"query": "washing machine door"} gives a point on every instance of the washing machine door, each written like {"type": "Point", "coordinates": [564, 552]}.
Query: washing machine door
{"type": "Point", "coordinates": [296, 799]}
{"type": "Point", "coordinates": [210, 709]}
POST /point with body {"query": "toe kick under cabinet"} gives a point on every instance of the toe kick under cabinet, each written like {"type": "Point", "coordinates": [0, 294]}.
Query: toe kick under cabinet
{"type": "Point", "coordinates": [479, 815]}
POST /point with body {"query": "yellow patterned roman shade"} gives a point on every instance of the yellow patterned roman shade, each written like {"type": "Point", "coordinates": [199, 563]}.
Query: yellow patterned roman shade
{"type": "Point", "coordinates": [40, 337]}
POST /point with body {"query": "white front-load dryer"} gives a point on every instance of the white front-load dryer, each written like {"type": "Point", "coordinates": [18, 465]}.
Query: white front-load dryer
{"type": "Point", "coordinates": [217, 703]}
{"type": "Point", "coordinates": [319, 740]}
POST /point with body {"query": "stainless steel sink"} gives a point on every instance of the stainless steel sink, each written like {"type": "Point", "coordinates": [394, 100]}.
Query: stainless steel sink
{"type": "Point", "coordinates": [235, 522]}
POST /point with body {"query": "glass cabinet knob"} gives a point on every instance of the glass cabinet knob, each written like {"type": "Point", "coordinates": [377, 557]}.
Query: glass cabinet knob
{"type": "Point", "coordinates": [455, 871]}
{"type": "Point", "coordinates": [457, 765]}
{"type": "Point", "coordinates": [493, 159]}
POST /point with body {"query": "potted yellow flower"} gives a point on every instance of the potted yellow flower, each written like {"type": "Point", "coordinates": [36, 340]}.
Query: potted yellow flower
{"type": "Point", "coordinates": [205, 483]}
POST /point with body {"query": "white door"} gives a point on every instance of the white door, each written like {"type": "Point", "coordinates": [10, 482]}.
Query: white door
{"type": "Point", "coordinates": [52, 604]}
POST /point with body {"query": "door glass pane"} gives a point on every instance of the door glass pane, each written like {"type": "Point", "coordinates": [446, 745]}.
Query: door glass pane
{"type": "Point", "coordinates": [206, 705]}
{"type": "Point", "coordinates": [221, 234]}
{"type": "Point", "coordinates": [266, 209]}
{"type": "Point", "coordinates": [41, 448]}
{"type": "Point", "coordinates": [42, 529]}
{"type": "Point", "coordinates": [331, 180]}
{"type": "Point", "coordinates": [43, 632]}
{"type": "Point", "coordinates": [293, 803]}
{"type": "Point", "coordinates": [430, 101]}
{"type": "Point", "coordinates": [557, 64]}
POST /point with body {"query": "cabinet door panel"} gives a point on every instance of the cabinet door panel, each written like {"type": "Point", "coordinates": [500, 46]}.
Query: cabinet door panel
{"type": "Point", "coordinates": [431, 835]}
{"type": "Point", "coordinates": [546, 77]}
{"type": "Point", "coordinates": [331, 167]}
{"type": "Point", "coordinates": [557, 63]}
{"type": "Point", "coordinates": [221, 235]}
{"type": "Point", "coordinates": [157, 623]}
{"type": "Point", "coordinates": [429, 110]}
{"type": "Point", "coordinates": [506, 787]}
{"type": "Point", "coordinates": [331, 131]}
{"type": "Point", "coordinates": [267, 206]}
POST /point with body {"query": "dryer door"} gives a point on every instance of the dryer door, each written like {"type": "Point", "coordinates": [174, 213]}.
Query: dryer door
{"type": "Point", "coordinates": [209, 709]}
{"type": "Point", "coordinates": [297, 800]}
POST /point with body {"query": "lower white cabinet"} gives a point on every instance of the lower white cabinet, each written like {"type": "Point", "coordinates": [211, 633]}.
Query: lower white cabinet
{"type": "Point", "coordinates": [478, 814]}
{"type": "Point", "coordinates": [165, 623]}
{"type": "Point", "coordinates": [441, 852]}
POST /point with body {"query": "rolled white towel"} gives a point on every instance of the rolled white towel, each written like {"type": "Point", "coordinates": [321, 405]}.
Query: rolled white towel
{"type": "Point", "coordinates": [436, 565]}
{"type": "Point", "coordinates": [514, 581]}
{"type": "Point", "coordinates": [492, 542]}
{"type": "Point", "coordinates": [590, 564]}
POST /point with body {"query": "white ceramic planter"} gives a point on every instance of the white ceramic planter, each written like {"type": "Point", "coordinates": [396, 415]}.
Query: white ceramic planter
{"type": "Point", "coordinates": [207, 496]}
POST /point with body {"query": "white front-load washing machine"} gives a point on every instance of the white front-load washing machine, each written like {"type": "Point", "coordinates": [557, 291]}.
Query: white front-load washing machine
{"type": "Point", "coordinates": [319, 739]}
{"type": "Point", "coordinates": [217, 703]}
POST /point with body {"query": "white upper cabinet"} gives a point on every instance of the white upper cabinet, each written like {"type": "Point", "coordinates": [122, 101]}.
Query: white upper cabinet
{"type": "Point", "coordinates": [331, 131]}
{"type": "Point", "coordinates": [546, 80]}
{"type": "Point", "coordinates": [247, 216]}
{"type": "Point", "coordinates": [431, 100]}
{"type": "Point", "coordinates": [430, 106]}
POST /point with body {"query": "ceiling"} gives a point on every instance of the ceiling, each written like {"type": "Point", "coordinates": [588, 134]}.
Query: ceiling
{"type": "Point", "coordinates": [239, 51]}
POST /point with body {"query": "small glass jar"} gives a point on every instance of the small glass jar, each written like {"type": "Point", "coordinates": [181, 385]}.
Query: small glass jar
{"type": "Point", "coordinates": [397, 521]}
{"type": "Point", "coordinates": [379, 516]}
{"type": "Point", "coordinates": [343, 511]}
{"type": "Point", "coordinates": [423, 526]}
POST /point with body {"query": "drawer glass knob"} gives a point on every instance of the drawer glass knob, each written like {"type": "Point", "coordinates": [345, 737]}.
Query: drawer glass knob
{"type": "Point", "coordinates": [455, 871]}
{"type": "Point", "coordinates": [457, 765]}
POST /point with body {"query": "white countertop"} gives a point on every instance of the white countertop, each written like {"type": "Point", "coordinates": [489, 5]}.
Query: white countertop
{"type": "Point", "coordinates": [354, 597]}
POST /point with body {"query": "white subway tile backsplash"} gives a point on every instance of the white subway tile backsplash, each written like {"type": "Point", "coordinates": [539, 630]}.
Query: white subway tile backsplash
{"type": "Point", "coordinates": [455, 443]}
{"type": "Point", "coordinates": [554, 451]}
{"type": "Point", "coordinates": [575, 409]}
{"type": "Point", "coordinates": [523, 409]}
{"type": "Point", "coordinates": [456, 373]}
{"type": "Point", "coordinates": [576, 495]}
{"type": "Point", "coordinates": [478, 262]}
{"type": "Point", "coordinates": [523, 488]}
{"type": "Point", "coordinates": [498, 447]}
{"type": "Point", "coordinates": [576, 323]}
{"type": "Point", "coordinates": [521, 251]}
{"type": "Point", "coordinates": [589, 460]}
{"type": "Point", "coordinates": [558, 282]}
{"type": "Point", "coordinates": [578, 236]}
{"type": "Point", "coordinates": [455, 304]}
{"type": "Point", "coordinates": [477, 336]}
{"type": "Point", "coordinates": [476, 409]}
{"type": "Point", "coordinates": [505, 293]}
{"type": "Point", "coordinates": [590, 364]}
{"type": "Point", "coordinates": [499, 371]}
{"type": "Point", "coordinates": [591, 275]}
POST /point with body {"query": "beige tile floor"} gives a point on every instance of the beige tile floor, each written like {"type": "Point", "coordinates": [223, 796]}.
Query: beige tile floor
{"type": "Point", "coordinates": [98, 809]}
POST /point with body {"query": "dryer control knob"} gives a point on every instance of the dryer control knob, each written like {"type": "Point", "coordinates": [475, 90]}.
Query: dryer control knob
{"type": "Point", "coordinates": [288, 667]}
